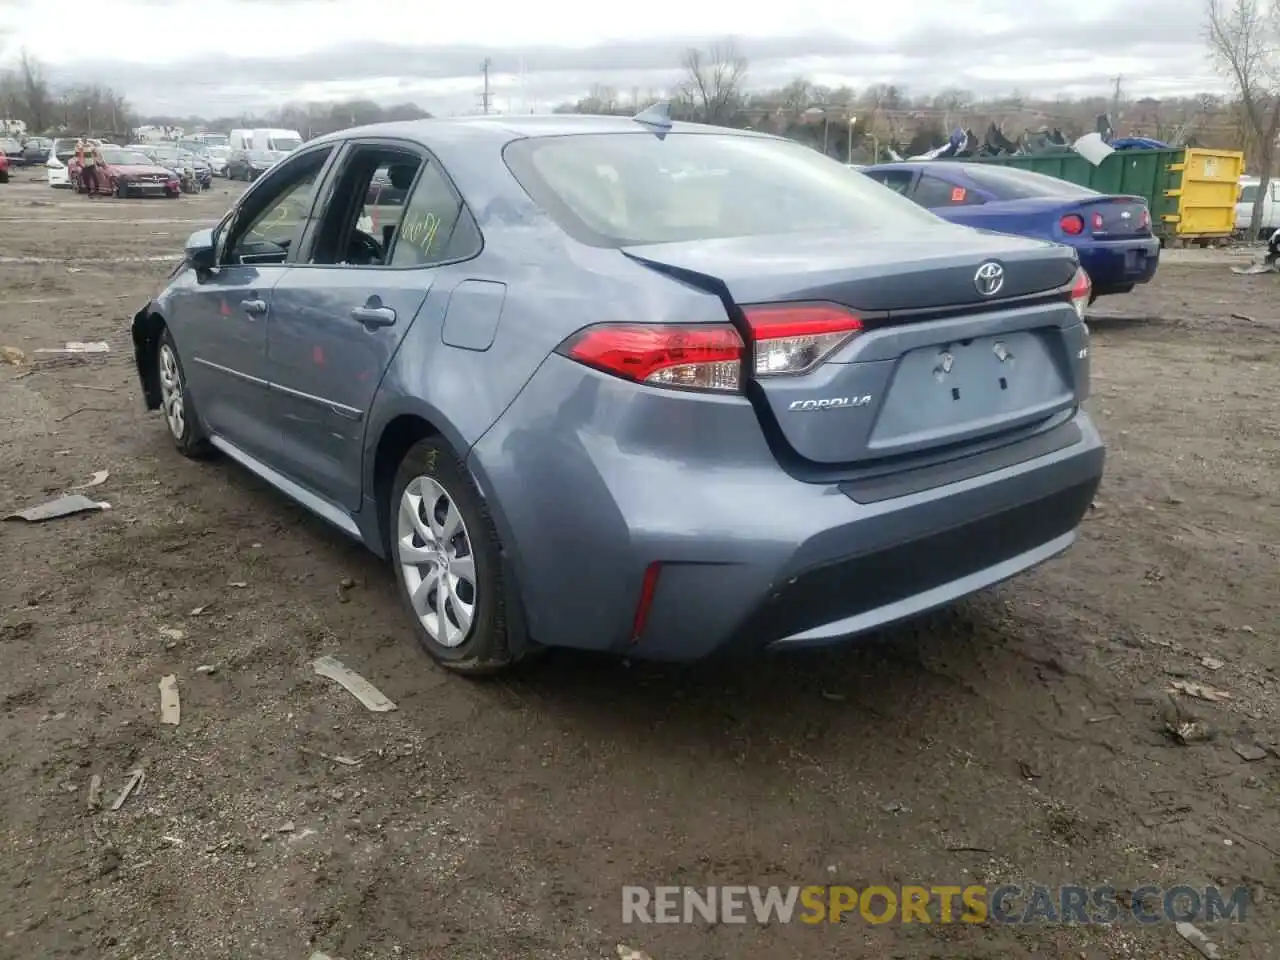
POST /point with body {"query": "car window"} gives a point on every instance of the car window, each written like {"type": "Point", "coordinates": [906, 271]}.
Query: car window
{"type": "Point", "coordinates": [934, 192]}
{"type": "Point", "coordinates": [436, 226]}
{"type": "Point", "coordinates": [125, 158]}
{"type": "Point", "coordinates": [898, 181]}
{"type": "Point", "coordinates": [278, 208]}
{"type": "Point", "coordinates": [1008, 183]}
{"type": "Point", "coordinates": [616, 189]}
{"type": "Point", "coordinates": [361, 219]}
{"type": "Point", "coordinates": [1249, 194]}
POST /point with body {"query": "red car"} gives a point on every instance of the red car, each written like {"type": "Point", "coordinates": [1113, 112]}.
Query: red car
{"type": "Point", "coordinates": [126, 174]}
{"type": "Point", "coordinates": [4, 168]}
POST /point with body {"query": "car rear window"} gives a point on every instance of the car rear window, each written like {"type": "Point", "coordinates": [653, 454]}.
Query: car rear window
{"type": "Point", "coordinates": [125, 158]}
{"type": "Point", "coordinates": [619, 189]}
{"type": "Point", "coordinates": [1009, 184]}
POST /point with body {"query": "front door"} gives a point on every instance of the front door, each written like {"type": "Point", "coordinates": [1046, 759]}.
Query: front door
{"type": "Point", "coordinates": [225, 314]}
{"type": "Point", "coordinates": [340, 317]}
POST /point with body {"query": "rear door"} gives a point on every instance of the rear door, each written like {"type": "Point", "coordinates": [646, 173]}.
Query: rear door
{"type": "Point", "coordinates": [340, 315]}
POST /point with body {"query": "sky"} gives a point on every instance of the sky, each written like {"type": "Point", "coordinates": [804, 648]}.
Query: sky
{"type": "Point", "coordinates": [226, 57]}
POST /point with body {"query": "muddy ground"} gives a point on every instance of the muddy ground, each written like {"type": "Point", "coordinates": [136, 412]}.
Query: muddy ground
{"type": "Point", "coordinates": [1020, 737]}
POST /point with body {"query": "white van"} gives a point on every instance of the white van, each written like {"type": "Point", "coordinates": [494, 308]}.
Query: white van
{"type": "Point", "coordinates": [1270, 206]}
{"type": "Point", "coordinates": [276, 140]}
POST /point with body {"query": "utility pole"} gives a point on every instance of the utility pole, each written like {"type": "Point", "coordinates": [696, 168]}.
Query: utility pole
{"type": "Point", "coordinates": [485, 98]}
{"type": "Point", "coordinates": [1115, 100]}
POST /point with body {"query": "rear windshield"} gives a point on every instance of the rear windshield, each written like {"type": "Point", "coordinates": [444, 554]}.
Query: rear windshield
{"type": "Point", "coordinates": [618, 189]}
{"type": "Point", "coordinates": [125, 158]}
{"type": "Point", "coordinates": [1008, 184]}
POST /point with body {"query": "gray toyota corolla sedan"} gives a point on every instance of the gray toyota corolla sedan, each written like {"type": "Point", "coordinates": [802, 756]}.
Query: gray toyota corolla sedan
{"type": "Point", "coordinates": [627, 385]}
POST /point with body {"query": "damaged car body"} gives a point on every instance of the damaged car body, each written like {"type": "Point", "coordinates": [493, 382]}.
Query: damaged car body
{"type": "Point", "coordinates": [630, 385]}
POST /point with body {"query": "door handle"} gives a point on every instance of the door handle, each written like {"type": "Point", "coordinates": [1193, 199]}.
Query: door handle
{"type": "Point", "coordinates": [255, 308]}
{"type": "Point", "coordinates": [373, 317]}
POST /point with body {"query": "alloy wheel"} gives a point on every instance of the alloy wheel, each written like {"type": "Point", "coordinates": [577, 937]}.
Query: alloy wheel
{"type": "Point", "coordinates": [436, 561]}
{"type": "Point", "coordinates": [171, 392]}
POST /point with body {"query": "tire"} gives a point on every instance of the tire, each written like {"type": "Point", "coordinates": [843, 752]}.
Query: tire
{"type": "Point", "coordinates": [433, 476]}
{"type": "Point", "coordinates": [122, 190]}
{"type": "Point", "coordinates": [189, 437]}
{"type": "Point", "coordinates": [4, 177]}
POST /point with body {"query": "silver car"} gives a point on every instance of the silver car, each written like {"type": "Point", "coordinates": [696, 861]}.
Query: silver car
{"type": "Point", "coordinates": [579, 400]}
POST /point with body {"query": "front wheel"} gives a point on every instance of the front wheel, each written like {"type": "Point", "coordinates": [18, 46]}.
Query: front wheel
{"type": "Point", "coordinates": [448, 563]}
{"type": "Point", "coordinates": [122, 190]}
{"type": "Point", "coordinates": [176, 403]}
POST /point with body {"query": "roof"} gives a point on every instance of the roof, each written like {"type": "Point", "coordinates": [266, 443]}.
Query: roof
{"type": "Point", "coordinates": [504, 128]}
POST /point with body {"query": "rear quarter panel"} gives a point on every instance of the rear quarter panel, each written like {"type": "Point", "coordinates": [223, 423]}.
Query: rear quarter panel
{"type": "Point", "coordinates": [554, 287]}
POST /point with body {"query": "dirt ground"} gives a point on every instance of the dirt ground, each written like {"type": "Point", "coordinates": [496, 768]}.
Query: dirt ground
{"type": "Point", "coordinates": [1020, 737]}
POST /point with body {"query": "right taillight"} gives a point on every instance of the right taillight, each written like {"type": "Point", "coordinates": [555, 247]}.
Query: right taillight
{"type": "Point", "coordinates": [1081, 289]}
{"type": "Point", "coordinates": [1072, 225]}
{"type": "Point", "coordinates": [795, 338]}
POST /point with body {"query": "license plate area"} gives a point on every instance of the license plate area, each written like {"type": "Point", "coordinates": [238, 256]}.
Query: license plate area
{"type": "Point", "coordinates": [955, 391]}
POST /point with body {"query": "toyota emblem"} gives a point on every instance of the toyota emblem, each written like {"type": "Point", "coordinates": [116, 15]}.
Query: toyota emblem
{"type": "Point", "coordinates": [989, 278]}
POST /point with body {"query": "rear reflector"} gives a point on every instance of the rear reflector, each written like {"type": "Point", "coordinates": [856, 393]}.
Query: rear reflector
{"type": "Point", "coordinates": [1098, 222]}
{"type": "Point", "coordinates": [795, 338]}
{"type": "Point", "coordinates": [1072, 225]}
{"type": "Point", "coordinates": [697, 357]}
{"type": "Point", "coordinates": [1081, 289]}
{"type": "Point", "coordinates": [648, 587]}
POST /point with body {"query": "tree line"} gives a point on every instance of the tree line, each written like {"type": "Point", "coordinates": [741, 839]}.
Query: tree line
{"type": "Point", "coordinates": [854, 126]}
{"type": "Point", "coordinates": [28, 96]}
{"type": "Point", "coordinates": [864, 126]}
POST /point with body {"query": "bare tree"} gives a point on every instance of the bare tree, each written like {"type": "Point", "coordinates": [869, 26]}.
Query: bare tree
{"type": "Point", "coordinates": [1242, 37]}
{"type": "Point", "coordinates": [714, 79]}
{"type": "Point", "coordinates": [35, 92]}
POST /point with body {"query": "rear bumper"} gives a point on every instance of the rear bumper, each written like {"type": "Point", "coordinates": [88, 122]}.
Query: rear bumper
{"type": "Point", "coordinates": [588, 495]}
{"type": "Point", "coordinates": [1115, 264]}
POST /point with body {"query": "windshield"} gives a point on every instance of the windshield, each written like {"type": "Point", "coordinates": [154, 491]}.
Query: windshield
{"type": "Point", "coordinates": [1010, 184]}
{"type": "Point", "coordinates": [220, 152]}
{"type": "Point", "coordinates": [284, 144]}
{"type": "Point", "coordinates": [617, 189]}
{"type": "Point", "coordinates": [125, 158]}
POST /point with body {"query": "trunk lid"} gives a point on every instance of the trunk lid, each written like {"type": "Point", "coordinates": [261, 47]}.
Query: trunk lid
{"type": "Point", "coordinates": [907, 383]}
{"type": "Point", "coordinates": [1116, 217]}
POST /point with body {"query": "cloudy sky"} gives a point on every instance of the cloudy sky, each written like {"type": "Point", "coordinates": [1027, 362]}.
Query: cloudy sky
{"type": "Point", "coordinates": [229, 56]}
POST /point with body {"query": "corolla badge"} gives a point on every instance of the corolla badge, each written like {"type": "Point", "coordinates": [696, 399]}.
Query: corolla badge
{"type": "Point", "coordinates": [830, 403]}
{"type": "Point", "coordinates": [989, 278]}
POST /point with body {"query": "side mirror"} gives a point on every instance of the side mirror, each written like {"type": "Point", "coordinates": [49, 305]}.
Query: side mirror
{"type": "Point", "coordinates": [200, 251]}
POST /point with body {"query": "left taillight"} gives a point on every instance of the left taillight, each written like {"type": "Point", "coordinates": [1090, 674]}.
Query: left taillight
{"type": "Point", "coordinates": [1081, 290]}
{"type": "Point", "coordinates": [785, 339]}
{"type": "Point", "coordinates": [695, 357]}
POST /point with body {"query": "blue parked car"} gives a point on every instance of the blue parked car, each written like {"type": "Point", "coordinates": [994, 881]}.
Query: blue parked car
{"type": "Point", "coordinates": [631, 385]}
{"type": "Point", "coordinates": [1111, 234]}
